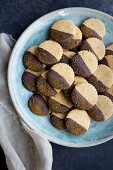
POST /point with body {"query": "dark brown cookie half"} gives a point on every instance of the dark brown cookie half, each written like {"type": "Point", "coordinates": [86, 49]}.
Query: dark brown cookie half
{"type": "Point", "coordinates": [77, 121]}
{"type": "Point", "coordinates": [108, 61]}
{"type": "Point", "coordinates": [94, 45]}
{"type": "Point", "coordinates": [43, 86]}
{"type": "Point", "coordinates": [84, 63]}
{"type": "Point", "coordinates": [38, 105]}
{"type": "Point", "coordinates": [84, 96]}
{"type": "Point", "coordinates": [31, 61]}
{"type": "Point", "coordinates": [29, 79]}
{"type": "Point", "coordinates": [49, 52]}
{"type": "Point", "coordinates": [66, 57]}
{"type": "Point", "coordinates": [103, 109]}
{"type": "Point", "coordinates": [102, 79]}
{"type": "Point", "coordinates": [109, 93]}
{"type": "Point", "coordinates": [58, 120]}
{"type": "Point", "coordinates": [93, 27]}
{"type": "Point", "coordinates": [109, 49]}
{"type": "Point", "coordinates": [59, 103]}
{"type": "Point", "coordinates": [60, 76]}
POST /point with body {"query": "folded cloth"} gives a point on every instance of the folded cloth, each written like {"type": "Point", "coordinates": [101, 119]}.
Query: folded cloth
{"type": "Point", "coordinates": [24, 148]}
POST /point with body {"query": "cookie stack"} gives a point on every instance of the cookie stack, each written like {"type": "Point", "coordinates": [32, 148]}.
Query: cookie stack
{"type": "Point", "coordinates": [71, 75]}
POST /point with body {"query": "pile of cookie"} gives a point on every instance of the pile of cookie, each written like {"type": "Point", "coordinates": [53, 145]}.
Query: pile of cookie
{"type": "Point", "coordinates": [71, 75]}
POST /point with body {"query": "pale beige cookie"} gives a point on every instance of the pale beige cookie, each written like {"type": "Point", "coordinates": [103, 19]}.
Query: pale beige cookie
{"type": "Point", "coordinates": [65, 29]}
{"type": "Point", "coordinates": [60, 76]}
{"type": "Point", "coordinates": [93, 27]}
{"type": "Point", "coordinates": [59, 103]}
{"type": "Point", "coordinates": [74, 42]}
{"type": "Point", "coordinates": [84, 96]}
{"type": "Point", "coordinates": [49, 52]}
{"type": "Point", "coordinates": [84, 63]}
{"type": "Point", "coordinates": [102, 79]}
{"type": "Point", "coordinates": [103, 109]}
{"type": "Point", "coordinates": [77, 121]}
{"type": "Point", "coordinates": [94, 45]}
{"type": "Point", "coordinates": [66, 33]}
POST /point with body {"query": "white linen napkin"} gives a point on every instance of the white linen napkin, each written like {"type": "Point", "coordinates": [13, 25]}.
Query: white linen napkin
{"type": "Point", "coordinates": [24, 148]}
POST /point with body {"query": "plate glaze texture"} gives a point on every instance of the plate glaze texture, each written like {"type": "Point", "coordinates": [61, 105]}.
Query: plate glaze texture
{"type": "Point", "coordinates": [36, 33]}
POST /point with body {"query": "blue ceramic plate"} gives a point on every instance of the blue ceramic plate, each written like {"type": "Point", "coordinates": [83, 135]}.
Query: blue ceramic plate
{"type": "Point", "coordinates": [35, 34]}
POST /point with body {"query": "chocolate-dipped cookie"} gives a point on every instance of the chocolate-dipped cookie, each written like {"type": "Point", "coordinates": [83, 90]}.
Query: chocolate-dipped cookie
{"type": "Point", "coordinates": [93, 27]}
{"type": "Point", "coordinates": [103, 109]}
{"type": "Point", "coordinates": [62, 30]}
{"type": "Point", "coordinates": [38, 105]}
{"type": "Point", "coordinates": [67, 55]}
{"type": "Point", "coordinates": [94, 45]}
{"type": "Point", "coordinates": [49, 52]}
{"type": "Point", "coordinates": [77, 121]}
{"type": "Point", "coordinates": [59, 103]}
{"type": "Point", "coordinates": [102, 79]}
{"type": "Point", "coordinates": [66, 33]}
{"type": "Point", "coordinates": [31, 61]}
{"type": "Point", "coordinates": [77, 80]}
{"type": "Point", "coordinates": [84, 96]}
{"type": "Point", "coordinates": [60, 76]}
{"type": "Point", "coordinates": [109, 49]}
{"type": "Point", "coordinates": [108, 61]}
{"type": "Point", "coordinates": [109, 93]}
{"type": "Point", "coordinates": [29, 80]}
{"type": "Point", "coordinates": [84, 63]}
{"type": "Point", "coordinates": [58, 120]}
{"type": "Point", "coordinates": [43, 86]}
{"type": "Point", "coordinates": [74, 42]}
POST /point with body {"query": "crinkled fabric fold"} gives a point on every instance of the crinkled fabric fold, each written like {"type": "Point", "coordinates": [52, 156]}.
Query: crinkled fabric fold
{"type": "Point", "coordinates": [24, 148]}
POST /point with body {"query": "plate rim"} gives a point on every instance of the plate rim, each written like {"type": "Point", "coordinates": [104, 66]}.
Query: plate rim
{"type": "Point", "coordinates": [12, 95]}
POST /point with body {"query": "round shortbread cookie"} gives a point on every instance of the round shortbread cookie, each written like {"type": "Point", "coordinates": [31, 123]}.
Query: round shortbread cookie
{"type": "Point", "coordinates": [66, 33]}
{"type": "Point", "coordinates": [49, 52]}
{"type": "Point", "coordinates": [74, 42]}
{"type": "Point", "coordinates": [94, 45]}
{"type": "Point", "coordinates": [62, 30]}
{"type": "Point", "coordinates": [102, 79]}
{"type": "Point", "coordinates": [109, 49]}
{"type": "Point", "coordinates": [108, 61]}
{"type": "Point", "coordinates": [84, 63]}
{"type": "Point", "coordinates": [58, 120]}
{"type": "Point", "coordinates": [77, 121]}
{"type": "Point", "coordinates": [29, 80]}
{"type": "Point", "coordinates": [60, 76]}
{"type": "Point", "coordinates": [43, 86]}
{"type": "Point", "coordinates": [38, 105]}
{"type": "Point", "coordinates": [84, 96]}
{"type": "Point", "coordinates": [59, 103]}
{"type": "Point", "coordinates": [93, 27]}
{"type": "Point", "coordinates": [66, 57]}
{"type": "Point", "coordinates": [103, 109]}
{"type": "Point", "coordinates": [30, 60]}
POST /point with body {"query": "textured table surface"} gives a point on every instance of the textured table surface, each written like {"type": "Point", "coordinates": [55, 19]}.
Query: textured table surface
{"type": "Point", "coordinates": [15, 16]}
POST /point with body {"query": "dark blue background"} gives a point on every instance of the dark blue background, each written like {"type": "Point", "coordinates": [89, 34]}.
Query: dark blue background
{"type": "Point", "coordinates": [15, 16]}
